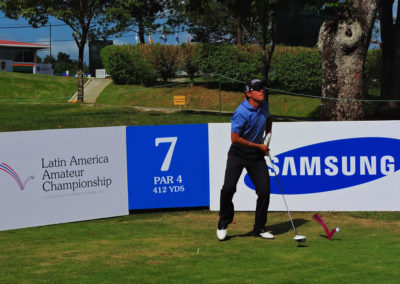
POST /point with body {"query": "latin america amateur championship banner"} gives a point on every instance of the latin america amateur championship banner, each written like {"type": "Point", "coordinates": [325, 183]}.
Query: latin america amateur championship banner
{"type": "Point", "coordinates": [321, 166]}
{"type": "Point", "coordinates": [65, 175]}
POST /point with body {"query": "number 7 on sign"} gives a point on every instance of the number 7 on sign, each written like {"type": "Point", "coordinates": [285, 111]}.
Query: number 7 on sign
{"type": "Point", "coordinates": [168, 157]}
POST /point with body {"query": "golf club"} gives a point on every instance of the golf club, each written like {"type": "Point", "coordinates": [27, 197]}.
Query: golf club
{"type": "Point", "coordinates": [297, 238]}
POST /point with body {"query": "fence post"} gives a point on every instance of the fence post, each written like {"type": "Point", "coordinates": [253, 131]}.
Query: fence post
{"type": "Point", "coordinates": [220, 99]}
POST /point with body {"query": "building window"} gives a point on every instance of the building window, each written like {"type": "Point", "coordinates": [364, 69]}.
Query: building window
{"type": "Point", "coordinates": [19, 56]}
{"type": "Point", "coordinates": [28, 56]}
{"type": "Point", "coordinates": [6, 54]}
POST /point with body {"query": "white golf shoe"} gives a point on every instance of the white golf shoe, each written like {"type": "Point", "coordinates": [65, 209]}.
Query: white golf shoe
{"type": "Point", "coordinates": [266, 235]}
{"type": "Point", "coordinates": [221, 234]}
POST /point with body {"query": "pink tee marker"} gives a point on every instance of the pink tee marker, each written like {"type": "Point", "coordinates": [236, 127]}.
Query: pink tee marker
{"type": "Point", "coordinates": [325, 227]}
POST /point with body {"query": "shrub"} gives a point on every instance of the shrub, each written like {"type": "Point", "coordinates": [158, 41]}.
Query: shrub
{"type": "Point", "coordinates": [298, 70]}
{"type": "Point", "coordinates": [295, 69]}
{"type": "Point", "coordinates": [187, 59]}
{"type": "Point", "coordinates": [127, 65]}
{"type": "Point", "coordinates": [164, 59]}
{"type": "Point", "coordinates": [229, 60]}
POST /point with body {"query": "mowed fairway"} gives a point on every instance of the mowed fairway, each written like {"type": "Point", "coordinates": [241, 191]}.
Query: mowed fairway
{"type": "Point", "coordinates": [181, 247]}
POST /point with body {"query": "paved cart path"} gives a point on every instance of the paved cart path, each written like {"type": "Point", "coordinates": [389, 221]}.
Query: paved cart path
{"type": "Point", "coordinates": [93, 88]}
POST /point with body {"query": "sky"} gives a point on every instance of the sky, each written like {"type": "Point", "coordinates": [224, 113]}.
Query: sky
{"type": "Point", "coordinates": [62, 40]}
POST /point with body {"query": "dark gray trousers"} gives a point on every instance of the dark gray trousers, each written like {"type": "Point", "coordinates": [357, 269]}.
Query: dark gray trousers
{"type": "Point", "coordinates": [258, 172]}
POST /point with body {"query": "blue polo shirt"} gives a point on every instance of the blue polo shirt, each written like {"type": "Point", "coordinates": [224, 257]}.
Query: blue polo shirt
{"type": "Point", "coordinates": [250, 123]}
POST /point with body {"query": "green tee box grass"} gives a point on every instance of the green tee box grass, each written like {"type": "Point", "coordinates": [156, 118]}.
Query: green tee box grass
{"type": "Point", "coordinates": [182, 247]}
{"type": "Point", "coordinates": [35, 87]}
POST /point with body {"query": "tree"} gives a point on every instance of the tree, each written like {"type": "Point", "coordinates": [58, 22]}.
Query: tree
{"type": "Point", "coordinates": [343, 43]}
{"type": "Point", "coordinates": [390, 34]}
{"type": "Point", "coordinates": [86, 18]}
{"type": "Point", "coordinates": [63, 63]}
{"type": "Point", "coordinates": [206, 20]}
{"type": "Point", "coordinates": [138, 16]}
{"type": "Point", "coordinates": [263, 20]}
{"type": "Point", "coordinates": [49, 59]}
{"type": "Point", "coordinates": [240, 11]}
{"type": "Point", "coordinates": [233, 20]}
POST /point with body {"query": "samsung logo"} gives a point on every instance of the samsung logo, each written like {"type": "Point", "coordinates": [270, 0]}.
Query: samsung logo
{"type": "Point", "coordinates": [334, 165]}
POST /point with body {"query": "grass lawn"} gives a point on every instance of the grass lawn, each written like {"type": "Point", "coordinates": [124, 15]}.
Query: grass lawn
{"type": "Point", "coordinates": [28, 116]}
{"type": "Point", "coordinates": [181, 247]}
{"type": "Point", "coordinates": [35, 87]}
{"type": "Point", "coordinates": [203, 98]}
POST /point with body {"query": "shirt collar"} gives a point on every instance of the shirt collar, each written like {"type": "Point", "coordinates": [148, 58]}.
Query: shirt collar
{"type": "Point", "coordinates": [247, 105]}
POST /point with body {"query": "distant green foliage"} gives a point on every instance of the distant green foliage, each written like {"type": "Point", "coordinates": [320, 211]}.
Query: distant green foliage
{"type": "Point", "coordinates": [298, 70]}
{"type": "Point", "coordinates": [164, 59]}
{"type": "Point", "coordinates": [238, 63]}
{"type": "Point", "coordinates": [373, 65]}
{"type": "Point", "coordinates": [187, 56]}
{"type": "Point", "coordinates": [64, 63]}
{"type": "Point", "coordinates": [127, 65]}
{"type": "Point", "coordinates": [294, 69]}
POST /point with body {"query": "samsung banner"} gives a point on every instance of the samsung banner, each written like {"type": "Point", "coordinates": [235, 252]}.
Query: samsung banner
{"type": "Point", "coordinates": [343, 166]}
{"type": "Point", "coordinates": [168, 166]}
{"type": "Point", "coordinates": [56, 176]}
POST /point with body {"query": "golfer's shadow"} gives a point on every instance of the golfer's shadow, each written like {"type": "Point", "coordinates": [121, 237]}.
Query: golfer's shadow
{"type": "Point", "coordinates": [282, 228]}
{"type": "Point", "coordinates": [276, 229]}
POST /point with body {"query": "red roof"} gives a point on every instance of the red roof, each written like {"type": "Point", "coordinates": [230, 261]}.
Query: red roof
{"type": "Point", "coordinates": [9, 43]}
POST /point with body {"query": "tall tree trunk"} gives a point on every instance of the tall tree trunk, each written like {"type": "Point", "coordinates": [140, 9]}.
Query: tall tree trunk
{"type": "Point", "coordinates": [265, 70]}
{"type": "Point", "coordinates": [266, 56]}
{"type": "Point", "coordinates": [141, 32]}
{"type": "Point", "coordinates": [390, 34]}
{"type": "Point", "coordinates": [239, 30]}
{"type": "Point", "coordinates": [272, 47]}
{"type": "Point", "coordinates": [343, 44]}
{"type": "Point", "coordinates": [80, 74]}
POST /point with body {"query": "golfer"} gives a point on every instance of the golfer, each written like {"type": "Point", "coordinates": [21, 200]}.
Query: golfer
{"type": "Point", "coordinates": [249, 123]}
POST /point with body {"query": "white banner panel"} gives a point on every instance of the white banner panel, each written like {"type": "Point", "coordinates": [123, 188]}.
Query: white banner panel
{"type": "Point", "coordinates": [56, 176]}
{"type": "Point", "coordinates": [6, 65]}
{"type": "Point", "coordinates": [41, 68]}
{"type": "Point", "coordinates": [322, 166]}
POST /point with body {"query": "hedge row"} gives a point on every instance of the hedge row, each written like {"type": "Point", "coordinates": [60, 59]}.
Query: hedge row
{"type": "Point", "coordinates": [295, 69]}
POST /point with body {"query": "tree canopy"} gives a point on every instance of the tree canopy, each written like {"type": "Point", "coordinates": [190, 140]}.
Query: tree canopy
{"type": "Point", "coordinates": [86, 18]}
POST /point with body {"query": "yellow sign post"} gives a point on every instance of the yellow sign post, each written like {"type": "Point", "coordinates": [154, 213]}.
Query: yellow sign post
{"type": "Point", "coordinates": [179, 100]}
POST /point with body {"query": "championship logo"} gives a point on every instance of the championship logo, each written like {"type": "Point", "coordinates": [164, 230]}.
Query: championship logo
{"type": "Point", "coordinates": [10, 171]}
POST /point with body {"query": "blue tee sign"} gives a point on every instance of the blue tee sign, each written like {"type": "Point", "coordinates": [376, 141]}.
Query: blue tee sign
{"type": "Point", "coordinates": [167, 166]}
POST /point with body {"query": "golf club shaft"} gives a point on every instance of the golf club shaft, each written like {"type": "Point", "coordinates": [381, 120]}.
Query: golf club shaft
{"type": "Point", "coordinates": [283, 196]}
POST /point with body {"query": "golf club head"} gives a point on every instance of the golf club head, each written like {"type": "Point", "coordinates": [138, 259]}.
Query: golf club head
{"type": "Point", "coordinates": [299, 238]}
